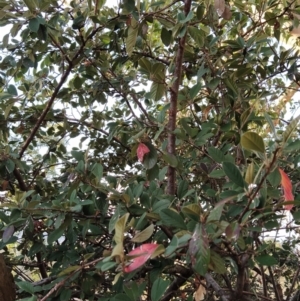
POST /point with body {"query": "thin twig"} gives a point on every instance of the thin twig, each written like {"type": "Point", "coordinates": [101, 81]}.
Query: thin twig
{"type": "Point", "coordinates": [61, 283]}
{"type": "Point", "coordinates": [183, 274]}
{"type": "Point", "coordinates": [291, 289]}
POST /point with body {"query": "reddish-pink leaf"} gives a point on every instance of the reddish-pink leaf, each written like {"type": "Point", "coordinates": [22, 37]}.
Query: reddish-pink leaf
{"type": "Point", "coordinates": [141, 151]}
{"type": "Point", "coordinates": [140, 255]}
{"type": "Point", "coordinates": [287, 189]}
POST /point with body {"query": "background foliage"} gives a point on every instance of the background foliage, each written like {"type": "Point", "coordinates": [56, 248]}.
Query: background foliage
{"type": "Point", "coordinates": [153, 126]}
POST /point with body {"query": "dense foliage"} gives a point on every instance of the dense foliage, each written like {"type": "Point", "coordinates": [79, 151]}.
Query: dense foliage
{"type": "Point", "coordinates": [145, 151]}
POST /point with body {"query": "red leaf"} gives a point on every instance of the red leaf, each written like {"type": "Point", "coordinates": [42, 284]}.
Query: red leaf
{"type": "Point", "coordinates": [287, 188]}
{"type": "Point", "coordinates": [141, 151]}
{"type": "Point", "coordinates": [140, 256]}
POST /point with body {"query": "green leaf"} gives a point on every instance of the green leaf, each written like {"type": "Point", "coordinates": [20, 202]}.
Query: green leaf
{"type": "Point", "coordinates": [132, 290]}
{"type": "Point", "coordinates": [152, 173]}
{"type": "Point", "coordinates": [42, 32]}
{"type": "Point", "coordinates": [34, 24]}
{"type": "Point", "coordinates": [66, 294]}
{"type": "Point", "coordinates": [145, 65]}
{"type": "Point", "coordinates": [274, 178]}
{"type": "Point", "coordinates": [8, 109]}
{"type": "Point", "coordinates": [200, 11]}
{"type": "Point", "coordinates": [69, 270]}
{"type": "Point", "coordinates": [233, 174]}
{"type": "Point", "coordinates": [188, 18]}
{"type": "Point", "coordinates": [105, 266]}
{"type": "Point", "coordinates": [249, 177]}
{"type": "Point", "coordinates": [231, 85]}
{"type": "Point", "coordinates": [292, 147]}
{"type": "Point", "coordinates": [32, 5]}
{"type": "Point", "coordinates": [150, 158]}
{"type": "Point", "coordinates": [158, 72]}
{"type": "Point", "coordinates": [216, 213]}
{"type": "Point", "coordinates": [171, 218]}
{"type": "Point", "coordinates": [170, 159]}
{"type": "Point", "coordinates": [265, 259]}
{"type": "Point", "coordinates": [271, 124]}
{"type": "Point", "coordinates": [197, 35]}
{"type": "Point", "coordinates": [290, 129]}
{"type": "Point", "coordinates": [193, 211]}
{"type": "Point", "coordinates": [120, 228]}
{"type": "Point", "coordinates": [97, 171]}
{"type": "Point", "coordinates": [217, 174]}
{"type": "Point", "coordinates": [253, 141]}
{"type": "Point", "coordinates": [131, 36]}
{"type": "Point", "coordinates": [216, 154]}
{"type": "Point", "coordinates": [58, 233]}
{"type": "Point", "coordinates": [78, 22]}
{"type": "Point", "coordinates": [192, 132]}
{"type": "Point", "coordinates": [166, 36]}
{"type": "Point", "coordinates": [26, 286]}
{"type": "Point", "coordinates": [11, 89]}
{"type": "Point", "coordinates": [113, 220]}
{"type": "Point", "coordinates": [217, 263]}
{"type": "Point", "coordinates": [182, 189]}
{"type": "Point", "coordinates": [143, 235]}
{"type": "Point", "coordinates": [120, 297]}
{"type": "Point", "coordinates": [158, 288]}
{"type": "Point", "coordinates": [77, 82]}
{"type": "Point", "coordinates": [157, 91]}
{"type": "Point", "coordinates": [161, 204]}
{"type": "Point", "coordinates": [10, 165]}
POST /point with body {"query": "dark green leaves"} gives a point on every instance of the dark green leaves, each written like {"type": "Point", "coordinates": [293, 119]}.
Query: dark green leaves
{"type": "Point", "coordinates": [166, 36]}
{"type": "Point", "coordinates": [34, 24]}
{"type": "Point", "coordinates": [267, 260]}
{"type": "Point", "coordinates": [216, 154]}
{"type": "Point", "coordinates": [233, 174]}
{"type": "Point", "coordinates": [78, 22]}
{"type": "Point", "coordinates": [158, 289]}
{"type": "Point", "coordinates": [97, 170]}
{"type": "Point", "coordinates": [150, 158]}
{"type": "Point", "coordinates": [198, 35]}
{"type": "Point", "coordinates": [170, 217]}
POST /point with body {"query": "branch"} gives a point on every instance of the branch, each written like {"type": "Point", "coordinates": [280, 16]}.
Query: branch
{"type": "Point", "coordinates": [45, 111]}
{"type": "Point", "coordinates": [20, 180]}
{"type": "Point", "coordinates": [61, 283]}
{"type": "Point", "coordinates": [171, 148]}
{"type": "Point", "coordinates": [42, 266]}
{"type": "Point", "coordinates": [37, 125]}
{"type": "Point", "coordinates": [75, 121]}
{"type": "Point", "coordinates": [240, 282]}
{"type": "Point", "coordinates": [141, 107]}
{"type": "Point", "coordinates": [210, 280]}
{"type": "Point", "coordinates": [152, 57]}
{"type": "Point", "coordinates": [44, 281]}
{"type": "Point", "coordinates": [55, 93]}
{"type": "Point", "coordinates": [276, 286]}
{"type": "Point", "coordinates": [183, 275]}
